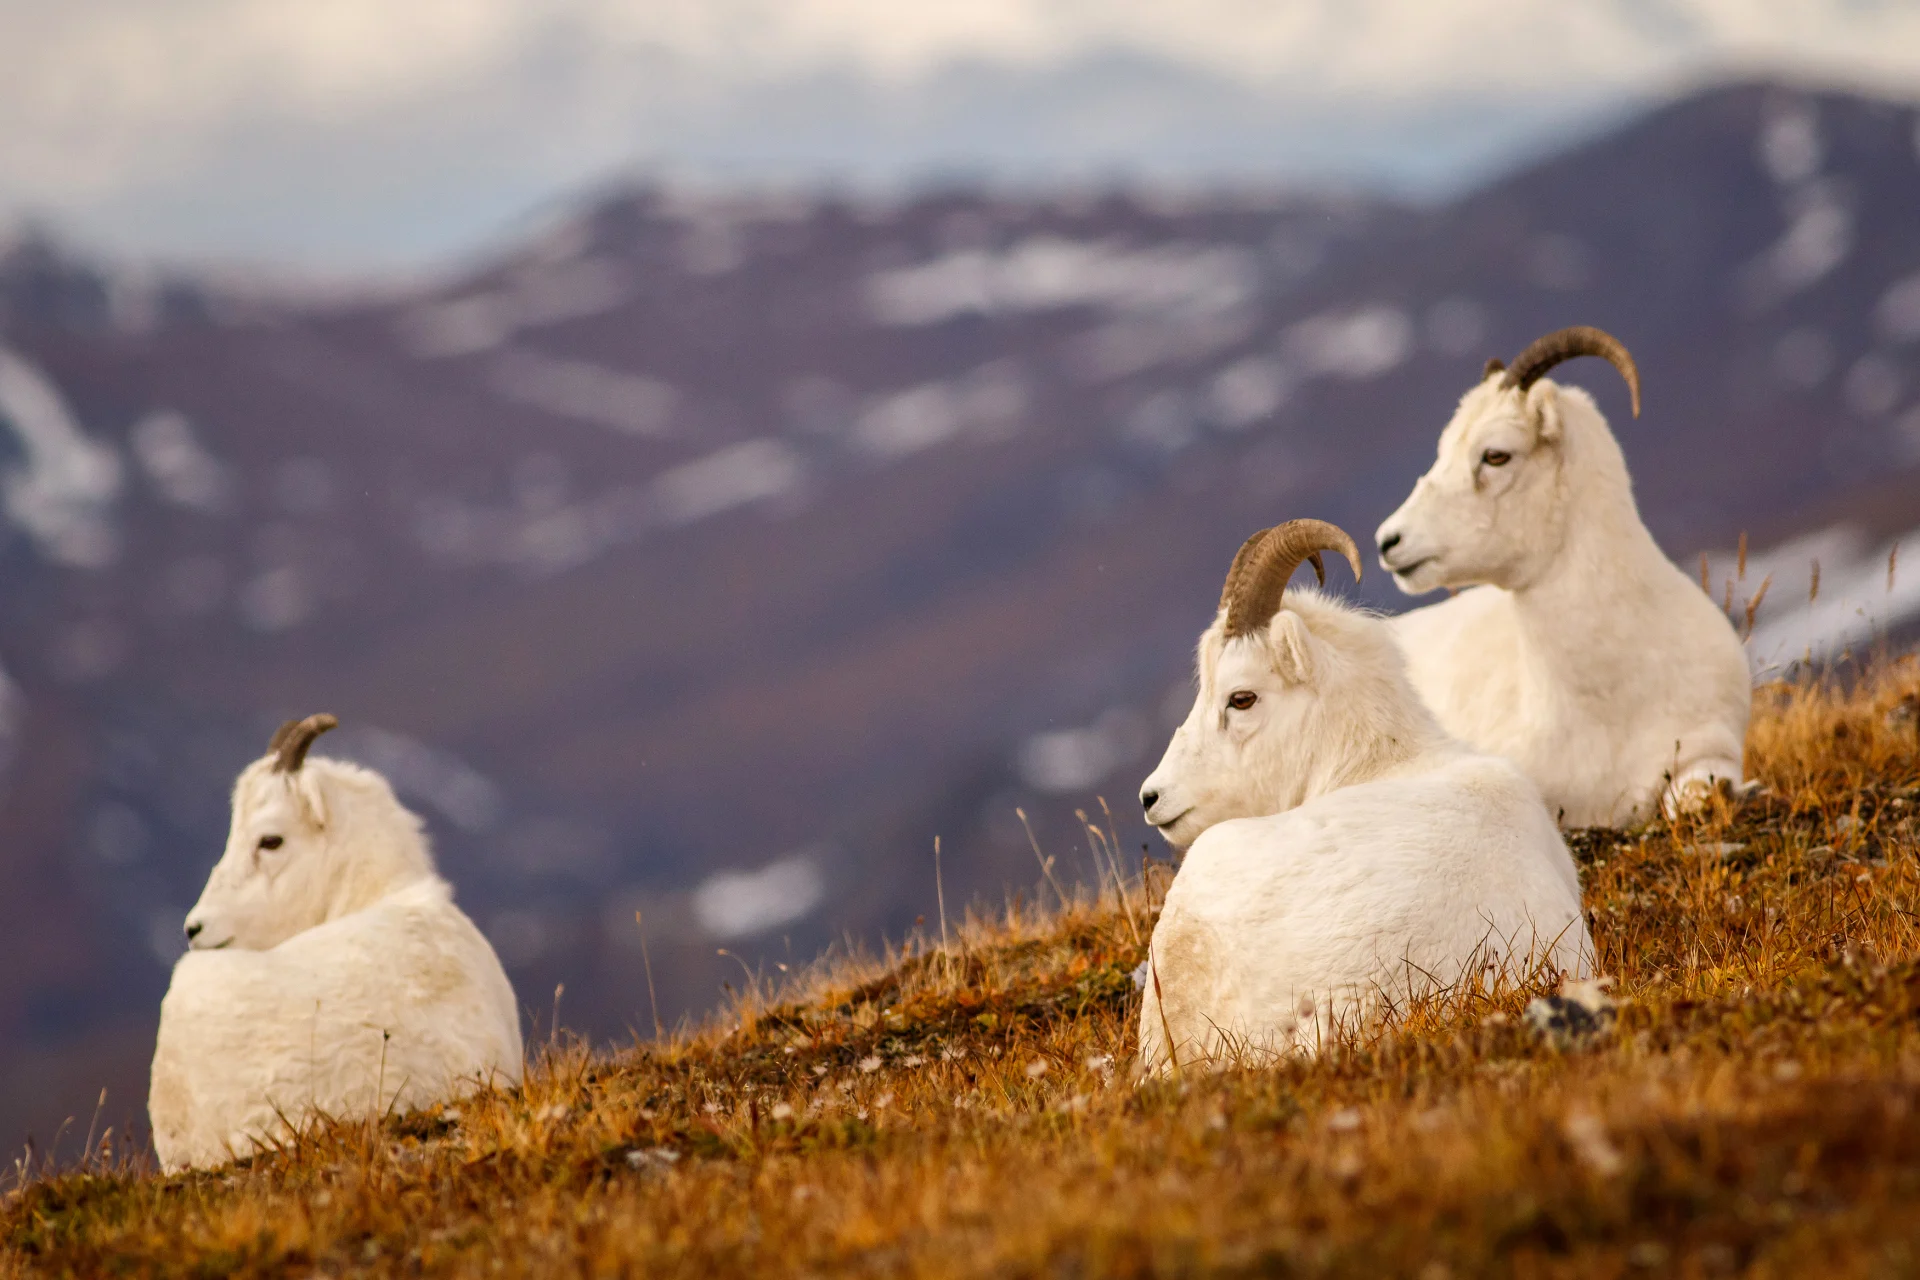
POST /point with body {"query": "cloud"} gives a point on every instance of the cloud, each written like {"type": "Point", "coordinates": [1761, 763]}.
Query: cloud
{"type": "Point", "coordinates": [143, 121]}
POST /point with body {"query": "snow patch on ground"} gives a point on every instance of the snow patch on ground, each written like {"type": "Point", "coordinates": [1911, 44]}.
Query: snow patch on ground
{"type": "Point", "coordinates": [63, 497]}
{"type": "Point", "coordinates": [742, 904]}
{"type": "Point", "coordinates": [1050, 273]}
{"type": "Point", "coordinates": [540, 294]}
{"type": "Point", "coordinates": [632, 403]}
{"type": "Point", "coordinates": [989, 401]}
{"type": "Point", "coordinates": [1069, 760]}
{"type": "Point", "coordinates": [1866, 589]}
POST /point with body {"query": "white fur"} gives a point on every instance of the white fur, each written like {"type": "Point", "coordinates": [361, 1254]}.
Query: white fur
{"type": "Point", "coordinates": [1580, 653]}
{"type": "Point", "coordinates": [1344, 850]}
{"type": "Point", "coordinates": [332, 975]}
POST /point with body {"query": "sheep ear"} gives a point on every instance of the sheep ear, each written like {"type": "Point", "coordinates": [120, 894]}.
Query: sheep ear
{"type": "Point", "coordinates": [1543, 410]}
{"type": "Point", "coordinates": [1292, 647]}
{"type": "Point", "coordinates": [313, 799]}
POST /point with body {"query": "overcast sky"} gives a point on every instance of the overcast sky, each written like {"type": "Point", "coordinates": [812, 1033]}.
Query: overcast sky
{"type": "Point", "coordinates": [346, 134]}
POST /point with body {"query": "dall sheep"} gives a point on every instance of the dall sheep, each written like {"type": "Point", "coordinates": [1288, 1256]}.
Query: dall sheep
{"type": "Point", "coordinates": [1342, 850]}
{"type": "Point", "coordinates": [1579, 652]}
{"type": "Point", "coordinates": [329, 971]}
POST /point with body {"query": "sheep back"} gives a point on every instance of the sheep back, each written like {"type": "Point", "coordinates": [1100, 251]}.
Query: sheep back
{"type": "Point", "coordinates": [396, 1006]}
{"type": "Point", "coordinates": [1278, 929]}
{"type": "Point", "coordinates": [1601, 717]}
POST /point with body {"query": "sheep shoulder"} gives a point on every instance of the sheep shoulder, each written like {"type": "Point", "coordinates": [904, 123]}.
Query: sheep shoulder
{"type": "Point", "coordinates": [388, 1006]}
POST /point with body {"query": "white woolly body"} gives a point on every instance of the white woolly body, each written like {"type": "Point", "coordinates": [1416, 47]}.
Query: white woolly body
{"type": "Point", "coordinates": [1586, 657]}
{"type": "Point", "coordinates": [376, 993]}
{"type": "Point", "coordinates": [1344, 851]}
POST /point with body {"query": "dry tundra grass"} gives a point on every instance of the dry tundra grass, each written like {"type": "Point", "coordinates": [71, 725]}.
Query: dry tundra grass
{"type": "Point", "coordinates": [1755, 1110]}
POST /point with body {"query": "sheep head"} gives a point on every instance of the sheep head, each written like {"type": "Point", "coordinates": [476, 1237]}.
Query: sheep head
{"type": "Point", "coordinates": [1493, 507]}
{"type": "Point", "coordinates": [1282, 675]}
{"type": "Point", "coordinates": [310, 840]}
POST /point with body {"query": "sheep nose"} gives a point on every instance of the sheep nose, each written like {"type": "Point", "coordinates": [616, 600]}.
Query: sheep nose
{"type": "Point", "coordinates": [1389, 542]}
{"type": "Point", "coordinates": [1148, 799]}
{"type": "Point", "coordinates": [193, 931]}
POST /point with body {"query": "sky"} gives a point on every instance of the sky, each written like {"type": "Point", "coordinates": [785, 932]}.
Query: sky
{"type": "Point", "coordinates": [355, 135]}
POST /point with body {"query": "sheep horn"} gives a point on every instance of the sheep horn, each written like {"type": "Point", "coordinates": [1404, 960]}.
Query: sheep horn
{"type": "Point", "coordinates": [1239, 568]}
{"type": "Point", "coordinates": [293, 739]}
{"type": "Point", "coordinates": [1494, 365]}
{"type": "Point", "coordinates": [280, 736]}
{"type": "Point", "coordinates": [1257, 585]}
{"type": "Point", "coordinates": [1543, 354]}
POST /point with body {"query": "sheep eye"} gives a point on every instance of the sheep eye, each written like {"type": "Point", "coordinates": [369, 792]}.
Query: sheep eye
{"type": "Point", "coordinates": [271, 842]}
{"type": "Point", "coordinates": [1242, 700]}
{"type": "Point", "coordinates": [1496, 457]}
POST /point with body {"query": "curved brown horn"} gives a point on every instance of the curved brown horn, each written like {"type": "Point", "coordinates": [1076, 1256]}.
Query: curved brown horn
{"type": "Point", "coordinates": [1282, 550]}
{"type": "Point", "coordinates": [1543, 354]}
{"type": "Point", "coordinates": [291, 743]}
{"type": "Point", "coordinates": [1239, 568]}
{"type": "Point", "coordinates": [1494, 365]}
{"type": "Point", "coordinates": [280, 736]}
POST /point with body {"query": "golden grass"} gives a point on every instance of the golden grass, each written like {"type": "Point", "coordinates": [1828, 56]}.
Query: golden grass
{"type": "Point", "coordinates": [1757, 1109]}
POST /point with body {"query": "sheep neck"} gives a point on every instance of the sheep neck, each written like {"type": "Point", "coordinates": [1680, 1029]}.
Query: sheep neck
{"type": "Point", "coordinates": [1583, 623]}
{"type": "Point", "coordinates": [1402, 739]}
{"type": "Point", "coordinates": [377, 853]}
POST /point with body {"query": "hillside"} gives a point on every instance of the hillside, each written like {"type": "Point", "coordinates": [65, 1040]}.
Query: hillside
{"type": "Point", "coordinates": [708, 555]}
{"type": "Point", "coordinates": [967, 1110]}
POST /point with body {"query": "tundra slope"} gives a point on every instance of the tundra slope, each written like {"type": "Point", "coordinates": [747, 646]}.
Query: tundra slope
{"type": "Point", "coordinates": [329, 971]}
{"type": "Point", "coordinates": [1342, 850]}
{"type": "Point", "coordinates": [1579, 652]}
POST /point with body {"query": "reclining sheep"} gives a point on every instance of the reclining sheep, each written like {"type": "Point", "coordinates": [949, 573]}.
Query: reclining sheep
{"type": "Point", "coordinates": [1342, 850]}
{"type": "Point", "coordinates": [1581, 653]}
{"type": "Point", "coordinates": [329, 970]}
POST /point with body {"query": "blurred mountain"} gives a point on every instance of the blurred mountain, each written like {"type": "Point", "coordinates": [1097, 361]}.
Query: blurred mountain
{"type": "Point", "coordinates": [706, 557]}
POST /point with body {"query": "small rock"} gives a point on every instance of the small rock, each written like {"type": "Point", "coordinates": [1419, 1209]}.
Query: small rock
{"type": "Point", "coordinates": [1904, 717]}
{"type": "Point", "coordinates": [1140, 976]}
{"type": "Point", "coordinates": [652, 1159]}
{"type": "Point", "coordinates": [1579, 1014]}
{"type": "Point", "coordinates": [1586, 1133]}
{"type": "Point", "coordinates": [1345, 1120]}
{"type": "Point", "coordinates": [1036, 1068]}
{"type": "Point", "coordinates": [870, 1064]}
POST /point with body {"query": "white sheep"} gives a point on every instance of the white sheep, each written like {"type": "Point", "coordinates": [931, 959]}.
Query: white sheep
{"type": "Point", "coordinates": [1342, 850]}
{"type": "Point", "coordinates": [329, 971]}
{"type": "Point", "coordinates": [1580, 652]}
